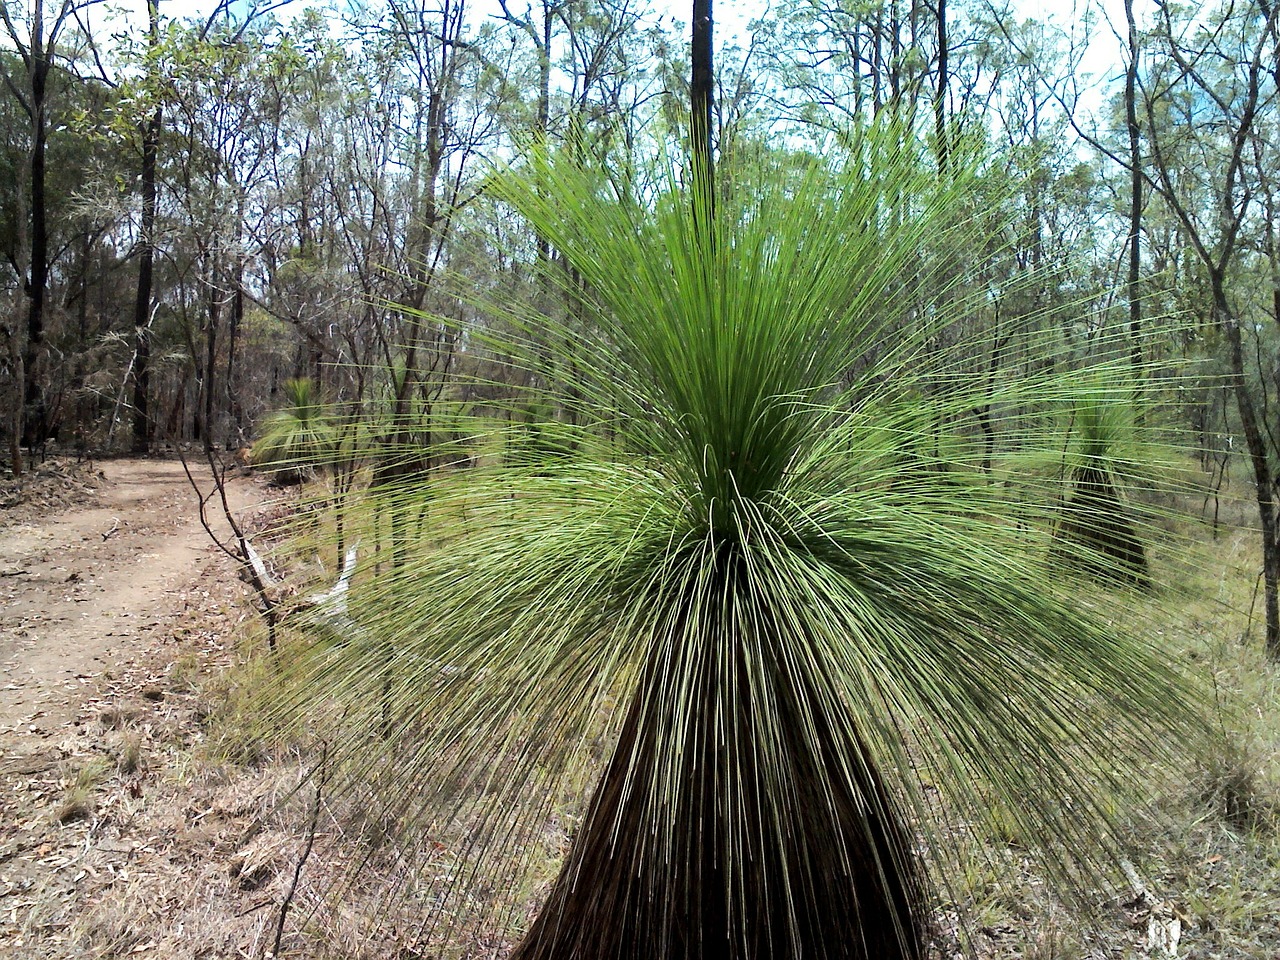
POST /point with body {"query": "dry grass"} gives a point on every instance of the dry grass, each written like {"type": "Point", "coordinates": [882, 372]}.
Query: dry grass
{"type": "Point", "coordinates": [78, 800]}
{"type": "Point", "coordinates": [1207, 850]}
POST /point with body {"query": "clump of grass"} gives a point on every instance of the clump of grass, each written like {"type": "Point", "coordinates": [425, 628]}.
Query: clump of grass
{"type": "Point", "coordinates": [129, 755]}
{"type": "Point", "coordinates": [184, 673]}
{"type": "Point", "coordinates": [1233, 783]}
{"type": "Point", "coordinates": [116, 716]}
{"type": "Point", "coordinates": [77, 802]}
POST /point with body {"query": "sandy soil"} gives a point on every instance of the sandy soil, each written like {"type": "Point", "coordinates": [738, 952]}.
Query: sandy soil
{"type": "Point", "coordinates": [80, 591]}
{"type": "Point", "coordinates": [115, 605]}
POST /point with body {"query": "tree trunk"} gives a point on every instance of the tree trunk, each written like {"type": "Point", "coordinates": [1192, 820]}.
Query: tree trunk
{"type": "Point", "coordinates": [35, 427]}
{"type": "Point", "coordinates": [702, 92]}
{"type": "Point", "coordinates": [235, 410]}
{"type": "Point", "coordinates": [146, 254]}
{"type": "Point", "coordinates": [693, 848]}
{"type": "Point", "coordinates": [940, 94]}
{"type": "Point", "coordinates": [15, 421]}
{"type": "Point", "coordinates": [1135, 192]}
{"type": "Point", "coordinates": [1264, 486]}
{"type": "Point", "coordinates": [211, 361]}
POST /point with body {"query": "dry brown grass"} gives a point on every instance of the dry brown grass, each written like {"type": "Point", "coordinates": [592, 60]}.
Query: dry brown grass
{"type": "Point", "coordinates": [1208, 848]}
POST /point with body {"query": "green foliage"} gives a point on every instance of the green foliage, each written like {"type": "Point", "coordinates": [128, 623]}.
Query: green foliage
{"type": "Point", "coordinates": [1094, 533]}
{"type": "Point", "coordinates": [767, 610]}
{"type": "Point", "coordinates": [299, 438]}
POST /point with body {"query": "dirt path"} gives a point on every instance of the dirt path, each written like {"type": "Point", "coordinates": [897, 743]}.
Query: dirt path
{"type": "Point", "coordinates": [114, 610]}
{"type": "Point", "coordinates": [79, 591]}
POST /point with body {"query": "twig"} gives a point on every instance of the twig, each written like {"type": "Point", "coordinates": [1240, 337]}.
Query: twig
{"type": "Point", "coordinates": [306, 850]}
{"type": "Point", "coordinates": [256, 907]}
{"type": "Point", "coordinates": [260, 584]}
{"type": "Point", "coordinates": [258, 576]}
{"type": "Point", "coordinates": [115, 528]}
{"type": "Point", "coordinates": [1248, 628]}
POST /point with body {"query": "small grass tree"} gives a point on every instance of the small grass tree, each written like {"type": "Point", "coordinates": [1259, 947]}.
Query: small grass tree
{"type": "Point", "coordinates": [299, 438]}
{"type": "Point", "coordinates": [1095, 534]}
{"type": "Point", "coordinates": [740, 603]}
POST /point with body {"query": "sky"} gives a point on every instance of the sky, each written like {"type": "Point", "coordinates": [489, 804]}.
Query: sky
{"type": "Point", "coordinates": [731, 17]}
{"type": "Point", "coordinates": [1102, 58]}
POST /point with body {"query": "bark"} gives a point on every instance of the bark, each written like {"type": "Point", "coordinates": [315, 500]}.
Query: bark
{"type": "Point", "coordinates": [210, 361]}
{"type": "Point", "coordinates": [234, 408]}
{"type": "Point", "coordinates": [15, 423]}
{"type": "Point", "coordinates": [994, 364]}
{"type": "Point", "coordinates": [35, 426]}
{"type": "Point", "coordinates": [1135, 191]}
{"type": "Point", "coordinates": [940, 95]}
{"type": "Point", "coordinates": [1256, 443]}
{"type": "Point", "coordinates": [702, 93]}
{"type": "Point", "coordinates": [697, 847]}
{"type": "Point", "coordinates": [146, 261]}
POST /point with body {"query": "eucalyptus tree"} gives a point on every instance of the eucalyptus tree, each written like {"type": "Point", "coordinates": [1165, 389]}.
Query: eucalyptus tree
{"type": "Point", "coordinates": [439, 138]}
{"type": "Point", "coordinates": [142, 311]}
{"type": "Point", "coordinates": [41, 37]}
{"type": "Point", "coordinates": [222, 91]}
{"type": "Point", "coordinates": [318, 254]}
{"type": "Point", "coordinates": [601, 78]}
{"type": "Point", "coordinates": [839, 63]}
{"type": "Point", "coordinates": [1210, 84]}
{"type": "Point", "coordinates": [1134, 130]}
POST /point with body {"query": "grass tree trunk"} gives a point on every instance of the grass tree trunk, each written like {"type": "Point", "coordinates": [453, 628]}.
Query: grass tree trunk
{"type": "Point", "coordinates": [1097, 536]}
{"type": "Point", "coordinates": [800, 854]}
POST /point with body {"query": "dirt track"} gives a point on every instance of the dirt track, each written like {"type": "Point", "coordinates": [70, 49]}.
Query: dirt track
{"type": "Point", "coordinates": [105, 600]}
{"type": "Point", "coordinates": [79, 591]}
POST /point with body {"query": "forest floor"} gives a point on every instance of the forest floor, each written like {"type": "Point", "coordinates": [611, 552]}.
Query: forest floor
{"type": "Point", "coordinates": [115, 607]}
{"type": "Point", "coordinates": [135, 823]}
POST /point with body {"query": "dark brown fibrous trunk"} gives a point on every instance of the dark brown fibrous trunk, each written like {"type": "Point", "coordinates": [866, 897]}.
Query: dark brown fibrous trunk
{"type": "Point", "coordinates": [741, 816]}
{"type": "Point", "coordinates": [702, 92]}
{"type": "Point", "coordinates": [1096, 537]}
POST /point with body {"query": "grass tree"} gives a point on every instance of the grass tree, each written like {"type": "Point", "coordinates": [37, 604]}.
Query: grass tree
{"type": "Point", "coordinates": [299, 438]}
{"type": "Point", "coordinates": [1095, 533]}
{"type": "Point", "coordinates": [741, 604]}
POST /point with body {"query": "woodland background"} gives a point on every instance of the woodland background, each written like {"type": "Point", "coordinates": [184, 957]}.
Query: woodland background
{"type": "Point", "coordinates": [193, 214]}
